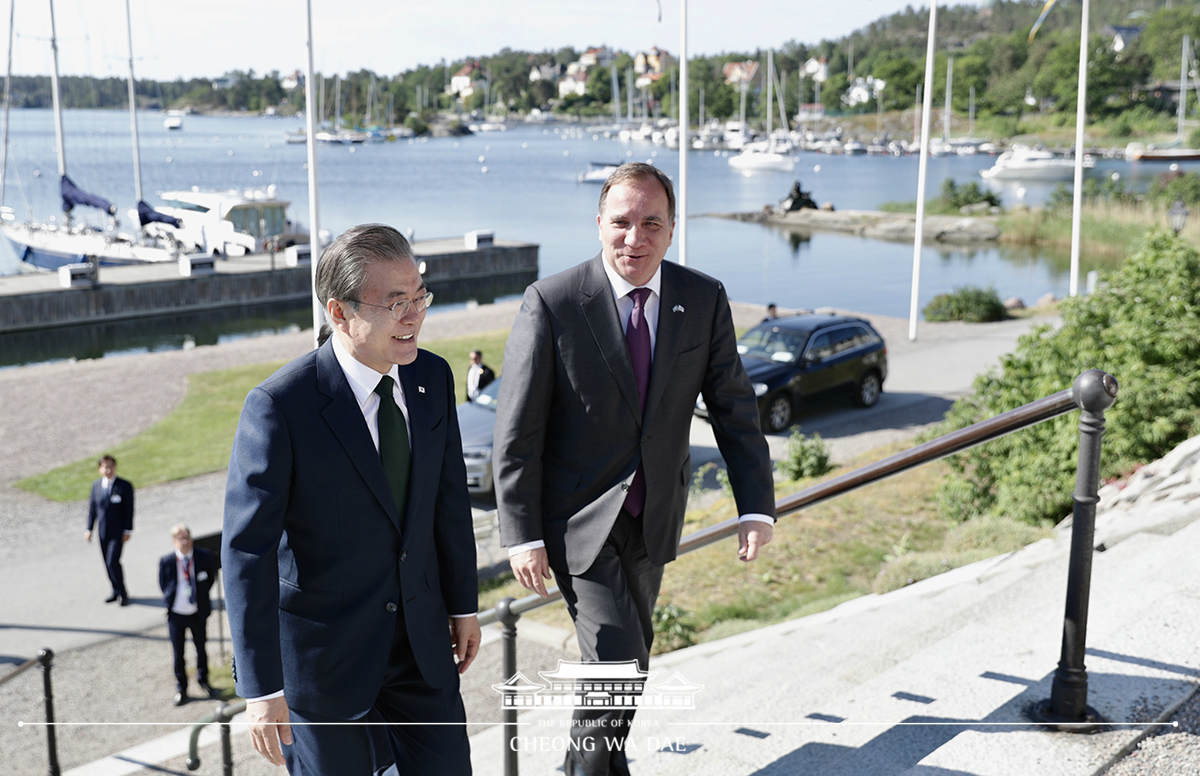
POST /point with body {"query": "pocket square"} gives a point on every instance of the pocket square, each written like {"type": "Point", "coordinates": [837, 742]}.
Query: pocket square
{"type": "Point", "coordinates": [677, 308]}
{"type": "Point", "coordinates": [420, 389]}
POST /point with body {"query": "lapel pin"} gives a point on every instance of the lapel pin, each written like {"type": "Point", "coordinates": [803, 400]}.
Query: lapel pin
{"type": "Point", "coordinates": [420, 389]}
{"type": "Point", "coordinates": [677, 308]}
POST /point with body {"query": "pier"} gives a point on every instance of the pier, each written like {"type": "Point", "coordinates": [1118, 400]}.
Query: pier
{"type": "Point", "coordinates": [451, 270]}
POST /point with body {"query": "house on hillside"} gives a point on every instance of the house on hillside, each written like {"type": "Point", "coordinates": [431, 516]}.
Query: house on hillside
{"type": "Point", "coordinates": [737, 73]}
{"type": "Point", "coordinates": [545, 72]}
{"type": "Point", "coordinates": [653, 61]}
{"type": "Point", "coordinates": [462, 83]}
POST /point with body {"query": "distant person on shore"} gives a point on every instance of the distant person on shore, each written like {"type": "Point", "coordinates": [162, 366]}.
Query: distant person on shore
{"type": "Point", "coordinates": [479, 375]}
{"type": "Point", "coordinates": [186, 577]}
{"type": "Point", "coordinates": [348, 548]}
{"type": "Point", "coordinates": [772, 313]}
{"type": "Point", "coordinates": [110, 512]}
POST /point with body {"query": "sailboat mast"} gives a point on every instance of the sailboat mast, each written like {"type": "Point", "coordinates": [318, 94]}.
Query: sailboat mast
{"type": "Point", "coordinates": [949, 90]}
{"type": "Point", "coordinates": [133, 125]}
{"type": "Point", "coordinates": [58, 123]}
{"type": "Point", "coordinates": [12, 14]}
{"type": "Point", "coordinates": [770, 97]}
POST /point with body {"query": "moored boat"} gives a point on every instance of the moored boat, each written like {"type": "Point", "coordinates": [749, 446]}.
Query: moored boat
{"type": "Point", "coordinates": [1030, 164]}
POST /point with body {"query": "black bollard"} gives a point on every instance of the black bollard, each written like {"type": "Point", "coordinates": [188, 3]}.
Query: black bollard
{"type": "Point", "coordinates": [46, 658]}
{"type": "Point", "coordinates": [509, 619]}
{"type": "Point", "coordinates": [1066, 709]}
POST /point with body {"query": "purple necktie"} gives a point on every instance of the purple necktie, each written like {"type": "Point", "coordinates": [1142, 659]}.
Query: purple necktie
{"type": "Point", "coordinates": [637, 335]}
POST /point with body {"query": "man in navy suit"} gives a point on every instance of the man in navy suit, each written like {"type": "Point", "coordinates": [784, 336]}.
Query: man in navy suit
{"type": "Point", "coordinates": [111, 505]}
{"type": "Point", "coordinates": [186, 576]}
{"type": "Point", "coordinates": [348, 550]}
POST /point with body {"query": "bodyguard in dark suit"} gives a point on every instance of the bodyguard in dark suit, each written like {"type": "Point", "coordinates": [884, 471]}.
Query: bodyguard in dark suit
{"type": "Point", "coordinates": [348, 550]}
{"type": "Point", "coordinates": [110, 513]}
{"type": "Point", "coordinates": [186, 577]}
{"type": "Point", "coordinates": [592, 454]}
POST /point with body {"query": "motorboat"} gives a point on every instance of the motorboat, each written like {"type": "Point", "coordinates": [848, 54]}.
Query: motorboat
{"type": "Point", "coordinates": [174, 120]}
{"type": "Point", "coordinates": [1137, 152]}
{"type": "Point", "coordinates": [233, 222]}
{"type": "Point", "coordinates": [854, 147]}
{"type": "Point", "coordinates": [299, 137]}
{"type": "Point", "coordinates": [599, 172]}
{"type": "Point", "coordinates": [1031, 164]}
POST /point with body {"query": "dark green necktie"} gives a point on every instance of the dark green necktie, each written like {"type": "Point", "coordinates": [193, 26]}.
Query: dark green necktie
{"type": "Point", "coordinates": [393, 444]}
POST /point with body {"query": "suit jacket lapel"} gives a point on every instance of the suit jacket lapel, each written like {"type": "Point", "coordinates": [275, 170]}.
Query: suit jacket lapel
{"type": "Point", "coordinates": [600, 312]}
{"type": "Point", "coordinates": [666, 337]}
{"type": "Point", "coordinates": [346, 421]}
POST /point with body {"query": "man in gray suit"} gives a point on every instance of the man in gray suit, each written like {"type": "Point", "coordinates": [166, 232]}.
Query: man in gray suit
{"type": "Point", "coordinates": [592, 454]}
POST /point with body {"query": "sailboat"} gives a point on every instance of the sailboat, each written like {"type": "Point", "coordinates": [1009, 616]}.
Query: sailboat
{"type": "Point", "coordinates": [753, 160]}
{"type": "Point", "coordinates": [1174, 152]}
{"type": "Point", "coordinates": [51, 245]}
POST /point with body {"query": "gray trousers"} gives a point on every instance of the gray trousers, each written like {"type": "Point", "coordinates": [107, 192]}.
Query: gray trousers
{"type": "Point", "coordinates": [612, 604]}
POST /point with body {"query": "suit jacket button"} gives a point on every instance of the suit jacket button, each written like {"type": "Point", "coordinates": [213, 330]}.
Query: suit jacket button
{"type": "Point", "coordinates": [391, 607]}
{"type": "Point", "coordinates": [403, 555]}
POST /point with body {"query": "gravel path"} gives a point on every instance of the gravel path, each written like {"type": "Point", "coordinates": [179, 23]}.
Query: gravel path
{"type": "Point", "coordinates": [1171, 751]}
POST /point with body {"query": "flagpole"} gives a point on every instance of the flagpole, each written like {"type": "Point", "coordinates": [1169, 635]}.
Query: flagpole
{"type": "Point", "coordinates": [314, 230]}
{"type": "Point", "coordinates": [922, 168]}
{"type": "Point", "coordinates": [1080, 118]}
{"type": "Point", "coordinates": [683, 133]}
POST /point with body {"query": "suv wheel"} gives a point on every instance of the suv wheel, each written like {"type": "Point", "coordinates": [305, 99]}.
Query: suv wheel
{"type": "Point", "coordinates": [868, 391]}
{"type": "Point", "coordinates": [777, 412]}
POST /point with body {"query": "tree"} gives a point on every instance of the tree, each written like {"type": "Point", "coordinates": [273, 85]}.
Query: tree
{"type": "Point", "coordinates": [599, 84]}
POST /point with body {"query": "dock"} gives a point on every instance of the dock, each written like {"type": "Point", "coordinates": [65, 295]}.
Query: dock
{"type": "Point", "coordinates": [454, 272]}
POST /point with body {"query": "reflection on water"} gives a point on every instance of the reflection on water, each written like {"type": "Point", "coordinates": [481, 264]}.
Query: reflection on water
{"type": "Point", "coordinates": [146, 335]}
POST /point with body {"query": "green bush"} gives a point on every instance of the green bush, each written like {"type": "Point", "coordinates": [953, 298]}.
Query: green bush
{"type": "Point", "coordinates": [805, 456]}
{"type": "Point", "coordinates": [1170, 186]}
{"type": "Point", "coordinates": [671, 631]}
{"type": "Point", "coordinates": [968, 303]}
{"type": "Point", "coordinates": [1142, 326]}
{"type": "Point", "coordinates": [955, 196]}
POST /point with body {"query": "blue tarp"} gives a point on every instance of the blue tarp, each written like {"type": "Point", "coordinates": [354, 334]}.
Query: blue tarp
{"type": "Point", "coordinates": [146, 214]}
{"type": "Point", "coordinates": [72, 195]}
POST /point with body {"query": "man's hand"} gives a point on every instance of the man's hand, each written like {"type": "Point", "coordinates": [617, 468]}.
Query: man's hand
{"type": "Point", "coordinates": [530, 568]}
{"type": "Point", "coordinates": [87, 536]}
{"type": "Point", "coordinates": [269, 726]}
{"type": "Point", "coordinates": [125, 537]}
{"type": "Point", "coordinates": [753, 534]}
{"type": "Point", "coordinates": [465, 638]}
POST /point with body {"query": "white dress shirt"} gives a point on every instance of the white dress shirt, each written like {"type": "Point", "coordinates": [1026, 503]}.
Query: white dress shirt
{"type": "Point", "coordinates": [183, 589]}
{"type": "Point", "coordinates": [106, 483]}
{"type": "Point", "coordinates": [621, 289]}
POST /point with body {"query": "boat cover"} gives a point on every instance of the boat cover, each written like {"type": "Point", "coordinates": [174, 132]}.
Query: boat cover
{"type": "Point", "coordinates": [146, 214]}
{"type": "Point", "coordinates": [72, 195]}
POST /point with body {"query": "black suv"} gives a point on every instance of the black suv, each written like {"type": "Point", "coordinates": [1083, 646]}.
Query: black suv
{"type": "Point", "coordinates": [800, 357]}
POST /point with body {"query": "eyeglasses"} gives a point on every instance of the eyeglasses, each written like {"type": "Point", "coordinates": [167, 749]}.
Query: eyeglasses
{"type": "Point", "coordinates": [400, 309]}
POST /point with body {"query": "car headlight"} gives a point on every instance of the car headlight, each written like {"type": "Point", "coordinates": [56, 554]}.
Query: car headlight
{"type": "Point", "coordinates": [760, 389]}
{"type": "Point", "coordinates": [478, 453]}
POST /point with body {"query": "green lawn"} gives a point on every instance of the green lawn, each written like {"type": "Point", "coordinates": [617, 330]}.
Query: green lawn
{"type": "Point", "coordinates": [197, 437]}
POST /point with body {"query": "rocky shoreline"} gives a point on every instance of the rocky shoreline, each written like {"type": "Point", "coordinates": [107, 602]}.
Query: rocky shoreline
{"type": "Point", "coordinates": [893, 227]}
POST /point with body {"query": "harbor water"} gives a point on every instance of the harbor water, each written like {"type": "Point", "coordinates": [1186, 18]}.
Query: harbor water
{"type": "Point", "coordinates": [523, 185]}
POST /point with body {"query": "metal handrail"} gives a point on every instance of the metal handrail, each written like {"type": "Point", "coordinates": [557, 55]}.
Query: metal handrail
{"type": "Point", "coordinates": [224, 713]}
{"type": "Point", "coordinates": [28, 664]}
{"type": "Point", "coordinates": [955, 442]}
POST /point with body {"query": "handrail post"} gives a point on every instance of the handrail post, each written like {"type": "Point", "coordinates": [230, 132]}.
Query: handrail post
{"type": "Point", "coordinates": [508, 618]}
{"type": "Point", "coordinates": [223, 717]}
{"type": "Point", "coordinates": [46, 658]}
{"type": "Point", "coordinates": [1067, 709]}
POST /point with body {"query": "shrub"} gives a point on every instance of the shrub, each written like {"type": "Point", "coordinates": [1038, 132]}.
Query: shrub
{"type": "Point", "coordinates": [671, 632]}
{"type": "Point", "coordinates": [805, 456]}
{"type": "Point", "coordinates": [955, 196]}
{"type": "Point", "coordinates": [1170, 186]}
{"type": "Point", "coordinates": [1142, 326]}
{"type": "Point", "coordinates": [968, 303]}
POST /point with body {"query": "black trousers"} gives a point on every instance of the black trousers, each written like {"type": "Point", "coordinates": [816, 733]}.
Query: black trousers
{"type": "Point", "coordinates": [612, 604]}
{"type": "Point", "coordinates": [110, 550]}
{"type": "Point", "coordinates": [177, 627]}
{"type": "Point", "coordinates": [427, 733]}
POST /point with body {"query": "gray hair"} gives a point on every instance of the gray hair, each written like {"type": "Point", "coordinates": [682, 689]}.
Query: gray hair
{"type": "Point", "coordinates": [342, 270]}
{"type": "Point", "coordinates": [639, 171]}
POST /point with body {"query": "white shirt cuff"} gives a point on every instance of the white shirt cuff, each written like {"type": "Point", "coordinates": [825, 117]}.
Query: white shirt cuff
{"type": "Point", "coordinates": [756, 518]}
{"type": "Point", "coordinates": [460, 616]}
{"type": "Point", "coordinates": [278, 694]}
{"type": "Point", "coordinates": [526, 547]}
